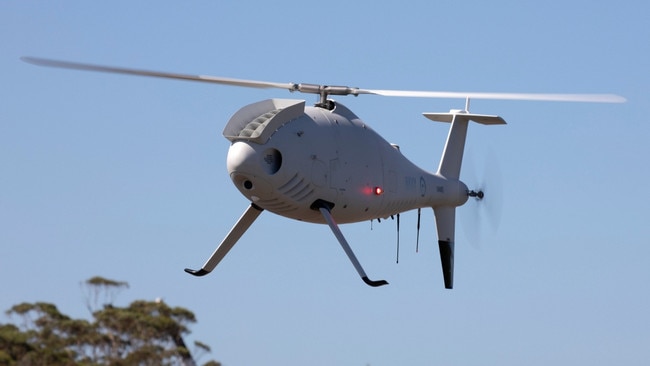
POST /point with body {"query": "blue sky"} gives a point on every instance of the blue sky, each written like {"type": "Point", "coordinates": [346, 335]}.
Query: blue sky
{"type": "Point", "coordinates": [125, 177]}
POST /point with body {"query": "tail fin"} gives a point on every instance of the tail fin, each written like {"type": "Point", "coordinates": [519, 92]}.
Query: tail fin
{"type": "Point", "coordinates": [450, 164]}
{"type": "Point", "coordinates": [452, 155]}
{"type": "Point", "coordinates": [445, 224]}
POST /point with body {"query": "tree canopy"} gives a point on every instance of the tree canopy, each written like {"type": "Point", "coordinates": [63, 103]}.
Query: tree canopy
{"type": "Point", "coordinates": [142, 333]}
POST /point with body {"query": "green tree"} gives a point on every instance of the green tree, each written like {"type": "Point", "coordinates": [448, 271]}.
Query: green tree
{"type": "Point", "coordinates": [142, 333]}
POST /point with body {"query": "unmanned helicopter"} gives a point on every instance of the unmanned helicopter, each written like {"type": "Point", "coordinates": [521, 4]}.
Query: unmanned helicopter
{"type": "Point", "coordinates": [322, 164]}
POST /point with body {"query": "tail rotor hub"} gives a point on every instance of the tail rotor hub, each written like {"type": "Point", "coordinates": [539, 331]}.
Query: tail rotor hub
{"type": "Point", "coordinates": [476, 194]}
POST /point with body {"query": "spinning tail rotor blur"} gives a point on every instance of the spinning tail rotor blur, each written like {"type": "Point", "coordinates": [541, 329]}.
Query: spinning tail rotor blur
{"type": "Point", "coordinates": [481, 215]}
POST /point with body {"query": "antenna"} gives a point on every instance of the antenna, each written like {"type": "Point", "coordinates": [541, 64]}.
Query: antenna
{"type": "Point", "coordinates": [397, 260]}
{"type": "Point", "coordinates": [417, 240]}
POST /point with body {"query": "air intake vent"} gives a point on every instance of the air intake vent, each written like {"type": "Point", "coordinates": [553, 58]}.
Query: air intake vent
{"type": "Point", "coordinates": [255, 127]}
{"type": "Point", "coordinates": [258, 121]}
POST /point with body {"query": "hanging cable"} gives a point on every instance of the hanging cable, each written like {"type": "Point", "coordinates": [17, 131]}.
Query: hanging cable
{"type": "Point", "coordinates": [417, 240]}
{"type": "Point", "coordinates": [397, 261]}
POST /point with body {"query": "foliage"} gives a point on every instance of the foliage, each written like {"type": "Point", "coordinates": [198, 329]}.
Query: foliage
{"type": "Point", "coordinates": [99, 287]}
{"type": "Point", "coordinates": [142, 333]}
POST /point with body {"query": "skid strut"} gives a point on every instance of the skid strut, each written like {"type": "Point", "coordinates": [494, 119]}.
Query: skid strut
{"type": "Point", "coordinates": [325, 211]}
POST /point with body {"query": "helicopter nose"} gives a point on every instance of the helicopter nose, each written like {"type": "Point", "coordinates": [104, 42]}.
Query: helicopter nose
{"type": "Point", "coordinates": [246, 171]}
{"type": "Point", "coordinates": [241, 157]}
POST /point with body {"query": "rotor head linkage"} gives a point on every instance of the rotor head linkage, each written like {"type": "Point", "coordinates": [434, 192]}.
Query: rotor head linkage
{"type": "Point", "coordinates": [324, 91]}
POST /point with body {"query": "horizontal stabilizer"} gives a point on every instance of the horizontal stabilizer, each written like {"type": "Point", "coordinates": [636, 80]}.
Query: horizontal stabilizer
{"type": "Point", "coordinates": [483, 119]}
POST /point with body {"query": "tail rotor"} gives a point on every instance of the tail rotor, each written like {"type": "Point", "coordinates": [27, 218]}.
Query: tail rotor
{"type": "Point", "coordinates": [483, 211]}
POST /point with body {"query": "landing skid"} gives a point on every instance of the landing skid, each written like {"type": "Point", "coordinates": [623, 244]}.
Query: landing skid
{"type": "Point", "coordinates": [229, 241]}
{"type": "Point", "coordinates": [325, 211]}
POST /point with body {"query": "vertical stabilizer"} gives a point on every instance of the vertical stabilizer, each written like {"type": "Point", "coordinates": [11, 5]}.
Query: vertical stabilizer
{"type": "Point", "coordinates": [449, 168]}
{"type": "Point", "coordinates": [452, 155]}
{"type": "Point", "coordinates": [450, 164]}
{"type": "Point", "coordinates": [445, 224]}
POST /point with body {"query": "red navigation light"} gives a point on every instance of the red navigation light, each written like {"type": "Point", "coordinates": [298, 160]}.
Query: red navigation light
{"type": "Point", "coordinates": [378, 191]}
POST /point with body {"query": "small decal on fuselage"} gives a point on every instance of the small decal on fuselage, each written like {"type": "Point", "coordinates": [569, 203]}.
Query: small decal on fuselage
{"type": "Point", "coordinates": [409, 183]}
{"type": "Point", "coordinates": [423, 187]}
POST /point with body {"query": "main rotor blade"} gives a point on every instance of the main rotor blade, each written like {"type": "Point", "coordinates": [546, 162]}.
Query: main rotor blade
{"type": "Point", "coordinates": [593, 98]}
{"type": "Point", "coordinates": [229, 241]}
{"type": "Point", "coordinates": [128, 71]}
{"type": "Point", "coordinates": [327, 90]}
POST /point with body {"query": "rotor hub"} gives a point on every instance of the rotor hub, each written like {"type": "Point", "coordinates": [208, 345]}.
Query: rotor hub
{"type": "Point", "coordinates": [476, 194]}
